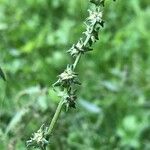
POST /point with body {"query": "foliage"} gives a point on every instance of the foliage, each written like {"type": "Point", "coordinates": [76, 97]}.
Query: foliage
{"type": "Point", "coordinates": [2, 75]}
{"type": "Point", "coordinates": [113, 107]}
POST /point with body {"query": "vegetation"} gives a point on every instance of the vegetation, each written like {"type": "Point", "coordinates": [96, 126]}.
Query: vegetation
{"type": "Point", "coordinates": [2, 75]}
{"type": "Point", "coordinates": [112, 109]}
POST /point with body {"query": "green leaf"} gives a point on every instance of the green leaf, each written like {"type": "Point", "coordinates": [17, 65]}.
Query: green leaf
{"type": "Point", "coordinates": [2, 75]}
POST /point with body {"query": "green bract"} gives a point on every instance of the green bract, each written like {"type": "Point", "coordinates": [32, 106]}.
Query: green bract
{"type": "Point", "coordinates": [95, 16]}
{"type": "Point", "coordinates": [39, 139]}
{"type": "Point", "coordinates": [78, 48]}
{"type": "Point", "coordinates": [67, 78]}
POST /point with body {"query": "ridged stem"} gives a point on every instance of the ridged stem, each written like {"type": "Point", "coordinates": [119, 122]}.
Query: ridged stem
{"type": "Point", "coordinates": [56, 116]}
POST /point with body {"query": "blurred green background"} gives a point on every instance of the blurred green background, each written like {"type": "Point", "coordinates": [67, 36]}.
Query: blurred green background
{"type": "Point", "coordinates": [113, 108]}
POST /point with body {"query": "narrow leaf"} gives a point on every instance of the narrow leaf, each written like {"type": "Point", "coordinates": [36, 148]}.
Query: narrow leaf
{"type": "Point", "coordinates": [2, 75]}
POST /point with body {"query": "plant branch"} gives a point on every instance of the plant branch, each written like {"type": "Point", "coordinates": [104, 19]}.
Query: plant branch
{"type": "Point", "coordinates": [69, 78]}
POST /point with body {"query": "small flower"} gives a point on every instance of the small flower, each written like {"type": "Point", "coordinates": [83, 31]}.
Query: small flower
{"type": "Point", "coordinates": [71, 99]}
{"type": "Point", "coordinates": [39, 139]}
{"type": "Point", "coordinates": [95, 17]}
{"type": "Point", "coordinates": [67, 78]}
{"type": "Point", "coordinates": [93, 34]}
{"type": "Point", "coordinates": [78, 48]}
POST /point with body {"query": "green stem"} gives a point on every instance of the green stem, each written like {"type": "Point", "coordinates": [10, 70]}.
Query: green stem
{"type": "Point", "coordinates": [56, 116]}
{"type": "Point", "coordinates": [79, 55]}
{"type": "Point", "coordinates": [76, 61]}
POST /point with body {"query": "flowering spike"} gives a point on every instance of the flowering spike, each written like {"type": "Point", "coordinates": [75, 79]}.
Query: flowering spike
{"type": "Point", "coordinates": [68, 79]}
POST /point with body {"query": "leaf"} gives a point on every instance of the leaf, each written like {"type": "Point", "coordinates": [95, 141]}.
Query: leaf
{"type": "Point", "coordinates": [2, 75]}
{"type": "Point", "coordinates": [14, 122]}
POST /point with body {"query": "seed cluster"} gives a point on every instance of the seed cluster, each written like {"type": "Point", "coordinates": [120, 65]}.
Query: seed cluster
{"type": "Point", "coordinates": [39, 139]}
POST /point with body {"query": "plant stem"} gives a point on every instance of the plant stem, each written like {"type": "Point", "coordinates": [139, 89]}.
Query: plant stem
{"type": "Point", "coordinates": [79, 55]}
{"type": "Point", "coordinates": [56, 116]}
{"type": "Point", "coordinates": [76, 61]}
